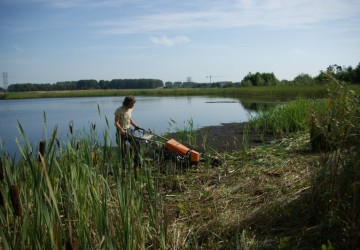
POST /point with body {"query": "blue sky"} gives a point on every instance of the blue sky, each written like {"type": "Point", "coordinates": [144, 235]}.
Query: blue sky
{"type": "Point", "coordinates": [45, 41]}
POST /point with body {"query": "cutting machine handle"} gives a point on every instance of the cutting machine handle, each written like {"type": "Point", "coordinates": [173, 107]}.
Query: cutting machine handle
{"type": "Point", "coordinates": [149, 131]}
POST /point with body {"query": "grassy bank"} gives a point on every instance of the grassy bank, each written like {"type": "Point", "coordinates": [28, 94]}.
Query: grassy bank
{"type": "Point", "coordinates": [273, 92]}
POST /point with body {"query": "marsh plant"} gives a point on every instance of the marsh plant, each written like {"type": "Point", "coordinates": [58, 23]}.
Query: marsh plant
{"type": "Point", "coordinates": [187, 133]}
{"type": "Point", "coordinates": [75, 194]}
{"type": "Point", "coordinates": [286, 118]}
{"type": "Point", "coordinates": [72, 193]}
{"type": "Point", "coordinates": [333, 126]}
{"type": "Point", "coordinates": [336, 186]}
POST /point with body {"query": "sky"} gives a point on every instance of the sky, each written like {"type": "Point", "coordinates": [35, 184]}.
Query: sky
{"type": "Point", "coordinates": [47, 41]}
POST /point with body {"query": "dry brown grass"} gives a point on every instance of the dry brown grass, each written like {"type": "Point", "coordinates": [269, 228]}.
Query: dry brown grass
{"type": "Point", "coordinates": [248, 196]}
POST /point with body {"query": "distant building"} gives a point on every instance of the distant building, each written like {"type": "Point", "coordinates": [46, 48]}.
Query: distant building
{"type": "Point", "coordinates": [188, 84]}
{"type": "Point", "coordinates": [177, 84]}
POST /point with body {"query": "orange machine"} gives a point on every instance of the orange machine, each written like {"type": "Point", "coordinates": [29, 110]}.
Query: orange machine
{"type": "Point", "coordinates": [178, 148]}
{"type": "Point", "coordinates": [171, 146]}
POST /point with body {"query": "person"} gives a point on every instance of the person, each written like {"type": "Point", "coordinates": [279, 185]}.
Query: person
{"type": "Point", "coordinates": [123, 123]}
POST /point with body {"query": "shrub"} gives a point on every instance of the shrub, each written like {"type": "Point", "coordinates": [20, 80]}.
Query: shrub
{"type": "Point", "coordinates": [336, 183]}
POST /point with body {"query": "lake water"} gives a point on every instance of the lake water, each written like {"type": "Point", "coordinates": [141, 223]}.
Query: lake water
{"type": "Point", "coordinates": [160, 114]}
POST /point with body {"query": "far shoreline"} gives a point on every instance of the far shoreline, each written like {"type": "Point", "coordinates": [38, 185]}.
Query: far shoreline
{"type": "Point", "coordinates": [270, 93]}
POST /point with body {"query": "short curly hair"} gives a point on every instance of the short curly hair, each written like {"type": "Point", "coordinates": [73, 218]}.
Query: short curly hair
{"type": "Point", "coordinates": [129, 100]}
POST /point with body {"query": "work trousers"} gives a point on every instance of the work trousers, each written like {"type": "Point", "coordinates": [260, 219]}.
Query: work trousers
{"type": "Point", "coordinates": [129, 146]}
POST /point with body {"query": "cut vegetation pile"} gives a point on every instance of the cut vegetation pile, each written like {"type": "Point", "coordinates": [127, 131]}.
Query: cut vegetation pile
{"type": "Point", "coordinates": [246, 202]}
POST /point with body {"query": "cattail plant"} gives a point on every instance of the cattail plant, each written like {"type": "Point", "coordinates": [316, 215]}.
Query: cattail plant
{"type": "Point", "coordinates": [94, 158]}
{"type": "Point", "coordinates": [72, 244]}
{"type": "Point", "coordinates": [14, 193]}
{"type": "Point", "coordinates": [71, 126]}
{"type": "Point", "coordinates": [42, 147]}
{"type": "Point", "coordinates": [55, 232]}
{"type": "Point", "coordinates": [71, 188]}
{"type": "Point", "coordinates": [1, 170]}
{"type": "Point", "coordinates": [2, 202]}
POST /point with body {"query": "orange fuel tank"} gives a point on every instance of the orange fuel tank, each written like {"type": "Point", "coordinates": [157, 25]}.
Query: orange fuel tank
{"type": "Point", "coordinates": [176, 147]}
{"type": "Point", "coordinates": [194, 156]}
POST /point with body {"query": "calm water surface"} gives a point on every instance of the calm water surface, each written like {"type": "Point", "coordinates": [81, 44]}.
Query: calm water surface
{"type": "Point", "coordinates": [39, 117]}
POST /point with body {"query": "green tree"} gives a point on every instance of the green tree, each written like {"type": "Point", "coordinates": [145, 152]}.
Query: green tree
{"type": "Point", "coordinates": [168, 84]}
{"type": "Point", "coordinates": [260, 79]}
{"type": "Point", "coordinates": [344, 74]}
{"type": "Point", "coordinates": [87, 84]}
{"type": "Point", "coordinates": [356, 76]}
{"type": "Point", "coordinates": [303, 79]}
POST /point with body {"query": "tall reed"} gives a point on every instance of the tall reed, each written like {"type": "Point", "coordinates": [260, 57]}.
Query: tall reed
{"type": "Point", "coordinates": [336, 180]}
{"type": "Point", "coordinates": [79, 194]}
{"type": "Point", "coordinates": [283, 92]}
{"type": "Point", "coordinates": [284, 119]}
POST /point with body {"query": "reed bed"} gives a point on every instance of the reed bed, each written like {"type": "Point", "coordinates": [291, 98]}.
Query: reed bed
{"type": "Point", "coordinates": [328, 210]}
{"type": "Point", "coordinates": [283, 92]}
{"type": "Point", "coordinates": [77, 195]}
{"type": "Point", "coordinates": [288, 118]}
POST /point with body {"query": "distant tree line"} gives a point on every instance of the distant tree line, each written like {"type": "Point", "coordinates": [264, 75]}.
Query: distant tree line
{"type": "Point", "coordinates": [342, 73]}
{"type": "Point", "coordinates": [88, 84]}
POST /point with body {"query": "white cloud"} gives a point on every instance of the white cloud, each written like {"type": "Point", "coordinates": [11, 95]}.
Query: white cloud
{"type": "Point", "coordinates": [66, 4]}
{"type": "Point", "coordinates": [169, 42]}
{"type": "Point", "coordinates": [232, 14]}
{"type": "Point", "coordinates": [138, 16]}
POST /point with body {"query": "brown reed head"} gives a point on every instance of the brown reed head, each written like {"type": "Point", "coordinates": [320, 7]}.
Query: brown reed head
{"type": "Point", "coordinates": [94, 157]}
{"type": "Point", "coordinates": [56, 237]}
{"type": "Point", "coordinates": [1, 170]}
{"type": "Point", "coordinates": [14, 194]}
{"type": "Point", "coordinates": [42, 147]}
{"type": "Point", "coordinates": [2, 202]}
{"type": "Point", "coordinates": [71, 126]}
{"type": "Point", "coordinates": [71, 244]}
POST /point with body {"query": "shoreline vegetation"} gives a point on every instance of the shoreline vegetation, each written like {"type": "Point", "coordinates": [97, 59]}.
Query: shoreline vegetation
{"type": "Point", "coordinates": [263, 92]}
{"type": "Point", "coordinates": [298, 188]}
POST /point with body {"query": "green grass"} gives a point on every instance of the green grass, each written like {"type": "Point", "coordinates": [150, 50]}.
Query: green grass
{"type": "Point", "coordinates": [267, 92]}
{"type": "Point", "coordinates": [287, 118]}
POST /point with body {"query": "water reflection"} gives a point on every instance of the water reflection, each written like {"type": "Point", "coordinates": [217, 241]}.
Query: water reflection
{"type": "Point", "coordinates": [258, 106]}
